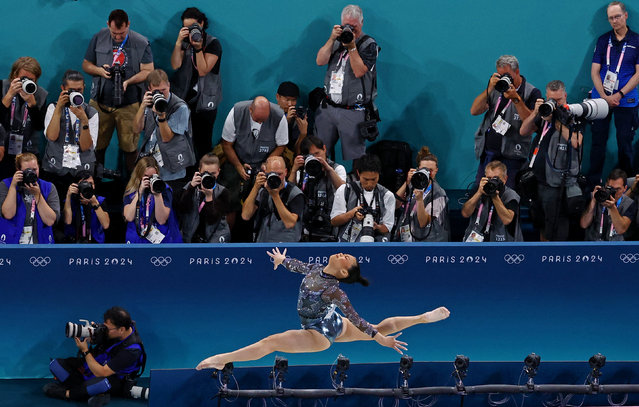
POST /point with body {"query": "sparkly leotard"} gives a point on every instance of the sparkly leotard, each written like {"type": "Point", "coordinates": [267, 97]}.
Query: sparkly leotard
{"type": "Point", "coordinates": [319, 296]}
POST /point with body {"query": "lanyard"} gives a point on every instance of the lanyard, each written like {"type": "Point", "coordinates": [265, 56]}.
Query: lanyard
{"type": "Point", "coordinates": [199, 209]}
{"type": "Point", "coordinates": [623, 51]}
{"type": "Point", "coordinates": [25, 113]}
{"type": "Point", "coordinates": [543, 133]}
{"type": "Point", "coordinates": [144, 220]}
{"type": "Point", "coordinates": [33, 206]}
{"type": "Point", "coordinates": [612, 226]}
{"type": "Point", "coordinates": [119, 51]}
{"type": "Point", "coordinates": [490, 216]}
{"type": "Point", "coordinates": [343, 57]}
{"type": "Point", "coordinates": [76, 128]}
{"type": "Point", "coordinates": [430, 186]}
{"type": "Point", "coordinates": [502, 110]}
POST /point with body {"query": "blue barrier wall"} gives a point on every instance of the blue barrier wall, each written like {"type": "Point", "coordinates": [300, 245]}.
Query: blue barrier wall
{"type": "Point", "coordinates": [436, 56]}
{"type": "Point", "coordinates": [562, 301]}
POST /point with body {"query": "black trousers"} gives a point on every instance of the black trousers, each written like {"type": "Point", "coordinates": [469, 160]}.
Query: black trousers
{"type": "Point", "coordinates": [77, 384]}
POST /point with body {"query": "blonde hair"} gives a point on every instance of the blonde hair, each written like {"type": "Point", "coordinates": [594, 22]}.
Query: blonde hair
{"type": "Point", "coordinates": [29, 64]}
{"type": "Point", "coordinates": [24, 157]}
{"type": "Point", "coordinates": [138, 173]}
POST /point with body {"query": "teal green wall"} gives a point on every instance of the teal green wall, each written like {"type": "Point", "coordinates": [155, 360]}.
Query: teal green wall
{"type": "Point", "coordinates": [436, 56]}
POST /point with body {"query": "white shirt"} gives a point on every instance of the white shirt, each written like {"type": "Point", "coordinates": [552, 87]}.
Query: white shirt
{"type": "Point", "coordinates": [93, 124]}
{"type": "Point", "coordinates": [228, 132]}
{"type": "Point", "coordinates": [388, 217]}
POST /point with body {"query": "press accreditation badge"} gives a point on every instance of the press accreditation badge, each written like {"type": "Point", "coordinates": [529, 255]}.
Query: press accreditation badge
{"type": "Point", "coordinates": [500, 125]}
{"type": "Point", "coordinates": [404, 233]}
{"type": "Point", "coordinates": [71, 157]}
{"type": "Point", "coordinates": [155, 236]}
{"type": "Point", "coordinates": [158, 157]}
{"type": "Point", "coordinates": [15, 143]}
{"type": "Point", "coordinates": [475, 237]}
{"type": "Point", "coordinates": [27, 235]}
{"type": "Point", "coordinates": [337, 82]}
{"type": "Point", "coordinates": [611, 82]}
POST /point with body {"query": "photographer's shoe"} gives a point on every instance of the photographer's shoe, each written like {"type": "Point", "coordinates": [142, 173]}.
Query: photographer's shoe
{"type": "Point", "coordinates": [55, 390]}
{"type": "Point", "coordinates": [99, 400]}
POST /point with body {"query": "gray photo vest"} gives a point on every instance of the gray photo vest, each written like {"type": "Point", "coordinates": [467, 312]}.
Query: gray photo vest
{"type": "Point", "coordinates": [136, 44]}
{"type": "Point", "coordinates": [498, 232]}
{"type": "Point", "coordinates": [318, 205]}
{"type": "Point", "coordinates": [54, 153]}
{"type": "Point", "coordinates": [177, 153]}
{"type": "Point", "coordinates": [438, 230]}
{"type": "Point", "coordinates": [352, 91]}
{"type": "Point", "coordinates": [251, 150]}
{"type": "Point", "coordinates": [559, 152]}
{"type": "Point", "coordinates": [31, 137]}
{"type": "Point", "coordinates": [593, 232]}
{"type": "Point", "coordinates": [209, 86]}
{"type": "Point", "coordinates": [271, 229]}
{"type": "Point", "coordinates": [215, 233]}
{"type": "Point", "coordinates": [352, 198]}
{"type": "Point", "coordinates": [513, 145]}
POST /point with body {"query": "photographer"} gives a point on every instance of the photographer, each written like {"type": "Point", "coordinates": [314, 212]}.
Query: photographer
{"type": "Point", "coordinates": [196, 58]}
{"type": "Point", "coordinates": [22, 112]}
{"type": "Point", "coordinates": [609, 213]}
{"type": "Point", "coordinates": [350, 84]}
{"type": "Point", "coordinates": [147, 206]}
{"type": "Point", "coordinates": [364, 210]}
{"type": "Point", "coordinates": [203, 205]}
{"type": "Point", "coordinates": [318, 178]}
{"type": "Point", "coordinates": [84, 218]}
{"type": "Point", "coordinates": [119, 59]}
{"type": "Point", "coordinates": [277, 204]}
{"type": "Point", "coordinates": [424, 212]}
{"type": "Point", "coordinates": [164, 117]}
{"type": "Point", "coordinates": [108, 362]}
{"type": "Point", "coordinates": [287, 96]}
{"type": "Point", "coordinates": [556, 163]}
{"type": "Point", "coordinates": [507, 101]}
{"type": "Point", "coordinates": [71, 130]}
{"type": "Point", "coordinates": [30, 206]}
{"type": "Point", "coordinates": [493, 209]}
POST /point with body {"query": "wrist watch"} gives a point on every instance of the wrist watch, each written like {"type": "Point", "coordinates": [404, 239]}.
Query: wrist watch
{"type": "Point", "coordinates": [95, 207]}
{"type": "Point", "coordinates": [85, 353]}
{"type": "Point", "coordinates": [161, 120]}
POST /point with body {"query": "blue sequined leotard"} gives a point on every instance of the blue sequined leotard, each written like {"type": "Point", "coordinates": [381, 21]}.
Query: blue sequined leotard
{"type": "Point", "coordinates": [319, 296]}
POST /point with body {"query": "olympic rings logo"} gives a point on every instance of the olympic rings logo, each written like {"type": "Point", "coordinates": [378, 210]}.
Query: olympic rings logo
{"type": "Point", "coordinates": [39, 261]}
{"type": "Point", "coordinates": [160, 261]}
{"type": "Point", "coordinates": [514, 258]}
{"type": "Point", "coordinates": [397, 258]}
{"type": "Point", "coordinates": [629, 257]}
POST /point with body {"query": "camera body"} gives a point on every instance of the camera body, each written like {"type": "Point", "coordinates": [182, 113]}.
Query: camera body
{"type": "Point", "coordinates": [195, 32]}
{"type": "Point", "coordinates": [29, 176]}
{"type": "Point", "coordinates": [605, 193]}
{"type": "Point", "coordinates": [160, 104]}
{"type": "Point", "coordinates": [117, 72]}
{"type": "Point", "coordinates": [157, 184]}
{"type": "Point", "coordinates": [273, 180]}
{"type": "Point", "coordinates": [346, 37]}
{"type": "Point", "coordinates": [98, 333]}
{"type": "Point", "coordinates": [504, 82]}
{"type": "Point", "coordinates": [300, 111]}
{"type": "Point", "coordinates": [420, 179]}
{"type": "Point", "coordinates": [547, 108]}
{"type": "Point", "coordinates": [493, 186]}
{"type": "Point", "coordinates": [85, 189]}
{"type": "Point", "coordinates": [208, 180]}
{"type": "Point", "coordinates": [312, 166]}
{"type": "Point", "coordinates": [28, 86]}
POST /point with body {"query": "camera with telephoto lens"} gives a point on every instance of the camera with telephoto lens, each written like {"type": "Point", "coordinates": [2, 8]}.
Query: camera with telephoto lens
{"type": "Point", "coordinates": [493, 186]}
{"type": "Point", "coordinates": [312, 166]}
{"type": "Point", "coordinates": [76, 98]}
{"type": "Point", "coordinates": [273, 180]}
{"type": "Point", "coordinates": [195, 32]}
{"type": "Point", "coordinates": [97, 332]}
{"type": "Point", "coordinates": [605, 193]}
{"type": "Point", "coordinates": [117, 72]}
{"type": "Point", "coordinates": [420, 179]}
{"type": "Point", "coordinates": [157, 185]}
{"type": "Point", "coordinates": [208, 180]}
{"type": "Point", "coordinates": [547, 108]}
{"type": "Point", "coordinates": [160, 104]}
{"type": "Point", "coordinates": [346, 37]}
{"type": "Point", "coordinates": [28, 86]}
{"type": "Point", "coordinates": [85, 189]}
{"type": "Point", "coordinates": [504, 82]}
{"type": "Point", "coordinates": [368, 233]}
{"type": "Point", "coordinates": [29, 177]}
{"type": "Point", "coordinates": [589, 109]}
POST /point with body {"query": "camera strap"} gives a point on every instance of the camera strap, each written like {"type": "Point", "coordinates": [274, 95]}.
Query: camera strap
{"type": "Point", "coordinates": [143, 222]}
{"type": "Point", "coordinates": [488, 221]}
{"type": "Point", "coordinates": [25, 113]}
{"type": "Point", "coordinates": [541, 138]}
{"type": "Point", "coordinates": [76, 127]}
{"type": "Point", "coordinates": [116, 55]}
{"type": "Point", "coordinates": [623, 52]}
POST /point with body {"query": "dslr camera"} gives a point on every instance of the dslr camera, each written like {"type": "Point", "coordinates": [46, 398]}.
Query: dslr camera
{"type": "Point", "coordinates": [117, 72]}
{"type": "Point", "coordinates": [273, 180]}
{"type": "Point", "coordinates": [493, 186]}
{"type": "Point", "coordinates": [160, 104]}
{"type": "Point", "coordinates": [157, 185]}
{"type": "Point", "coordinates": [300, 111]}
{"type": "Point", "coordinates": [504, 82]}
{"type": "Point", "coordinates": [97, 332]}
{"type": "Point", "coordinates": [76, 98]}
{"type": "Point", "coordinates": [346, 37]}
{"type": "Point", "coordinates": [313, 166]}
{"type": "Point", "coordinates": [208, 180]}
{"type": "Point", "coordinates": [195, 32]}
{"type": "Point", "coordinates": [29, 177]}
{"type": "Point", "coordinates": [28, 86]}
{"type": "Point", "coordinates": [85, 189]}
{"type": "Point", "coordinates": [420, 179]}
{"type": "Point", "coordinates": [368, 233]}
{"type": "Point", "coordinates": [605, 193]}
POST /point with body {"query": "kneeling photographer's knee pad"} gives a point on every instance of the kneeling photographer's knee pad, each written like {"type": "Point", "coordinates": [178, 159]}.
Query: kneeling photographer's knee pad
{"type": "Point", "coordinates": [58, 371]}
{"type": "Point", "coordinates": [98, 387]}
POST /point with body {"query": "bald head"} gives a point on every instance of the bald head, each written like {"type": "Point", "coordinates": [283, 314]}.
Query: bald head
{"type": "Point", "coordinates": [260, 109]}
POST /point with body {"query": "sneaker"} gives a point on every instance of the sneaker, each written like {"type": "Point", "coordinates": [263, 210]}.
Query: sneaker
{"type": "Point", "coordinates": [99, 400]}
{"type": "Point", "coordinates": [55, 390]}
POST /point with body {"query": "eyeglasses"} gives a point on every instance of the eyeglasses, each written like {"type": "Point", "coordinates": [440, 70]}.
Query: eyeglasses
{"type": "Point", "coordinates": [615, 18]}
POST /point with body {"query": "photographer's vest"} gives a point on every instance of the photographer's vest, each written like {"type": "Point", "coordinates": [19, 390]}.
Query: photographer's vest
{"type": "Point", "coordinates": [177, 154]}
{"type": "Point", "coordinates": [352, 194]}
{"type": "Point", "coordinates": [270, 227]}
{"type": "Point", "coordinates": [497, 231]}
{"type": "Point", "coordinates": [135, 46]}
{"type": "Point", "coordinates": [54, 153]}
{"type": "Point", "coordinates": [513, 145]}
{"type": "Point", "coordinates": [561, 159]}
{"type": "Point", "coordinates": [352, 91]}
{"type": "Point", "coordinates": [249, 149]}
{"type": "Point", "coordinates": [218, 232]}
{"type": "Point", "coordinates": [209, 86]}
{"type": "Point", "coordinates": [170, 229]}
{"type": "Point", "coordinates": [23, 124]}
{"type": "Point", "coordinates": [132, 342]}
{"type": "Point", "coordinates": [601, 227]}
{"type": "Point", "coordinates": [321, 202]}
{"type": "Point", "coordinates": [11, 229]}
{"type": "Point", "coordinates": [437, 230]}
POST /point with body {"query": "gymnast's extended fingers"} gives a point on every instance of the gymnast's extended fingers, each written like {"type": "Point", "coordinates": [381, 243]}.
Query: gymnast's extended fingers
{"type": "Point", "coordinates": [284, 253]}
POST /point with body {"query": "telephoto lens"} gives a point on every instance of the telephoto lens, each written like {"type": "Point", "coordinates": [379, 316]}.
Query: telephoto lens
{"type": "Point", "coordinates": [28, 86]}
{"type": "Point", "coordinates": [208, 180]}
{"type": "Point", "coordinates": [118, 88]}
{"type": "Point", "coordinates": [312, 166]}
{"type": "Point", "coordinates": [157, 185]}
{"type": "Point", "coordinates": [547, 108]}
{"type": "Point", "coordinates": [503, 84]}
{"type": "Point", "coordinates": [420, 179]}
{"type": "Point", "coordinates": [195, 31]}
{"type": "Point", "coordinates": [160, 104]}
{"type": "Point", "coordinates": [76, 99]}
{"type": "Point", "coordinates": [273, 180]}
